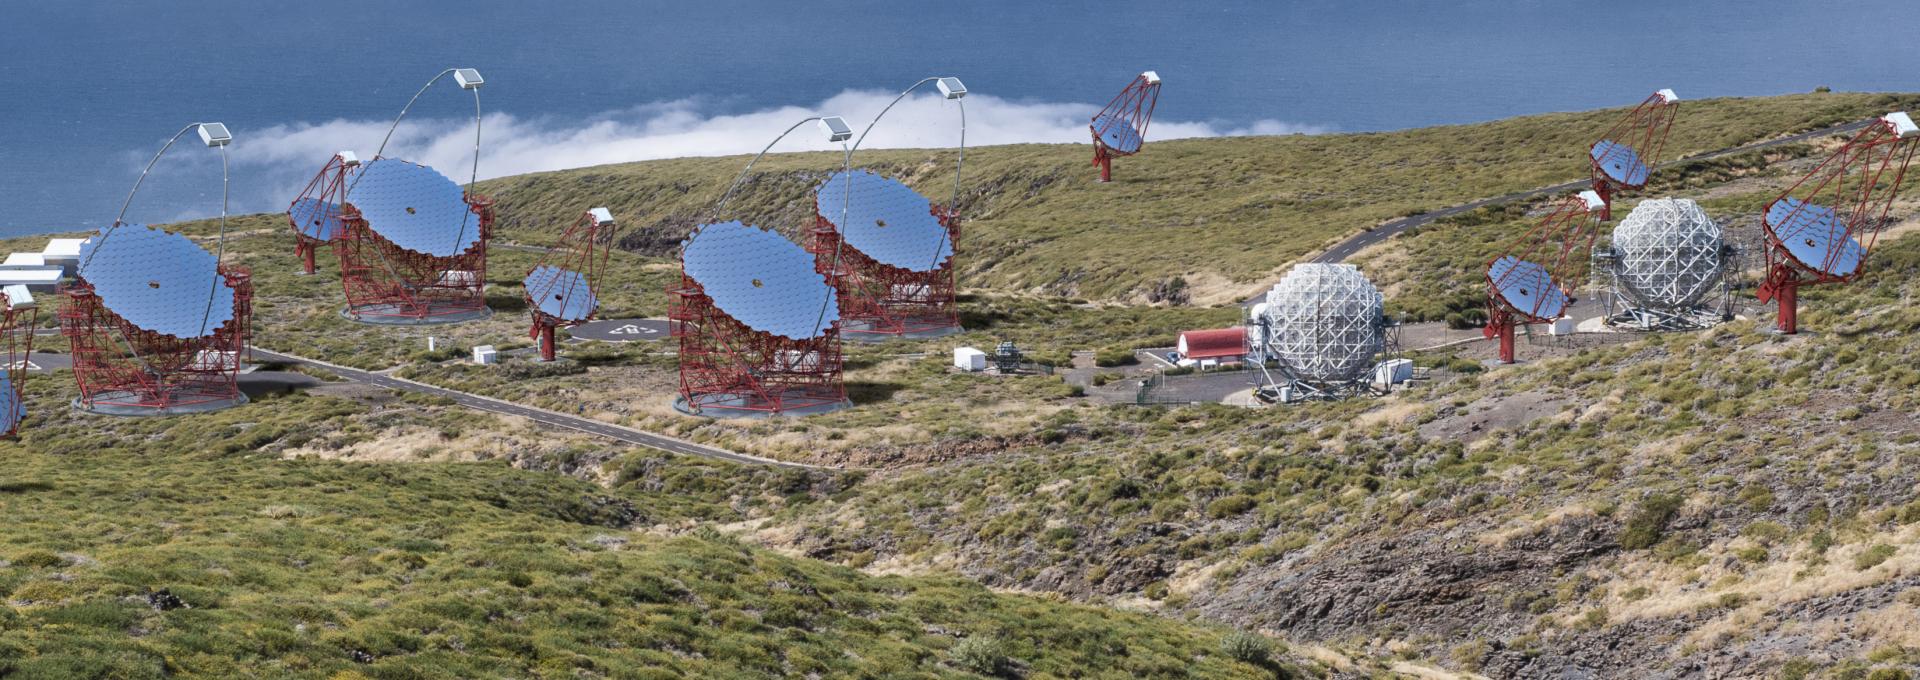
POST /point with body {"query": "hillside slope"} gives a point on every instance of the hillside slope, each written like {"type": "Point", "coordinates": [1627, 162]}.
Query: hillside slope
{"type": "Point", "coordinates": [236, 545]}
{"type": "Point", "coordinates": [1223, 216]}
{"type": "Point", "coordinates": [1726, 503]}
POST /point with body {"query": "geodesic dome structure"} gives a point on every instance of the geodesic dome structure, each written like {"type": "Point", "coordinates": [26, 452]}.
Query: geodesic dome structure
{"type": "Point", "coordinates": [1323, 324]}
{"type": "Point", "coordinates": [1666, 257]}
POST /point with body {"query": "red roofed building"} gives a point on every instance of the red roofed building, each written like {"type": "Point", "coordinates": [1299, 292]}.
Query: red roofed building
{"type": "Point", "coordinates": [1223, 345]}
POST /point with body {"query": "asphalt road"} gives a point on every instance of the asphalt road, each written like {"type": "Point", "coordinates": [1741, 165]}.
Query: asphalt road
{"type": "Point", "coordinates": [1358, 242]}
{"type": "Point", "coordinates": [42, 362]}
{"type": "Point", "coordinates": [539, 415]}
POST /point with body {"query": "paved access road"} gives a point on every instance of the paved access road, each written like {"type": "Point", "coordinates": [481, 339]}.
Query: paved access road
{"type": "Point", "coordinates": [1358, 242]}
{"type": "Point", "coordinates": [539, 415]}
{"type": "Point", "coordinates": [47, 362]}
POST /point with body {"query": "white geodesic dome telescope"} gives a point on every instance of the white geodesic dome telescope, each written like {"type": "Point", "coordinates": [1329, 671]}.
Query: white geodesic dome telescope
{"type": "Point", "coordinates": [1665, 259]}
{"type": "Point", "coordinates": [1323, 324]}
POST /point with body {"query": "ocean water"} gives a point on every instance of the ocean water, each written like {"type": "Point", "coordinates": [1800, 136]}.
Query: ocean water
{"type": "Point", "coordinates": [90, 89]}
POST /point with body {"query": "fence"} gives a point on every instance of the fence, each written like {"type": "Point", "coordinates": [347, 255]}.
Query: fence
{"type": "Point", "coordinates": [1193, 388]}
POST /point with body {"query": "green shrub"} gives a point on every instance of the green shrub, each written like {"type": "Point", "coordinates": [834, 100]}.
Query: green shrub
{"type": "Point", "coordinates": [1246, 647]}
{"type": "Point", "coordinates": [1872, 557]}
{"type": "Point", "coordinates": [1114, 356]}
{"type": "Point", "coordinates": [1470, 655]}
{"type": "Point", "coordinates": [37, 558]}
{"type": "Point", "coordinates": [980, 654]}
{"type": "Point", "coordinates": [1649, 521]}
{"type": "Point", "coordinates": [1230, 506]}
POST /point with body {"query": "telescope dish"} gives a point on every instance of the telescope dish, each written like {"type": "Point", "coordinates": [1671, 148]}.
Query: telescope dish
{"type": "Point", "coordinates": [1533, 281]}
{"type": "Point", "coordinates": [315, 219]}
{"type": "Point", "coordinates": [1664, 259]}
{"type": "Point", "coordinates": [157, 281]}
{"type": "Point", "coordinates": [1623, 158]}
{"type": "Point", "coordinates": [1120, 129]}
{"type": "Point", "coordinates": [1814, 237]}
{"type": "Point", "coordinates": [414, 207]}
{"type": "Point", "coordinates": [1526, 288]}
{"type": "Point", "coordinates": [1821, 229]}
{"type": "Point", "coordinates": [561, 294]}
{"type": "Point", "coordinates": [885, 220]}
{"type": "Point", "coordinates": [761, 280]}
{"type": "Point", "coordinates": [12, 408]}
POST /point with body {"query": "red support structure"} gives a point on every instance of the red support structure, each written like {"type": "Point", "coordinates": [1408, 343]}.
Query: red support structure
{"type": "Point", "coordinates": [1535, 279]}
{"type": "Point", "coordinates": [727, 366]}
{"type": "Point", "coordinates": [881, 300]}
{"type": "Point", "coordinates": [1821, 229]}
{"type": "Point", "coordinates": [1623, 159]}
{"type": "Point", "coordinates": [119, 366]}
{"type": "Point", "coordinates": [20, 319]}
{"type": "Point", "coordinates": [385, 283]}
{"type": "Point", "coordinates": [1120, 129]}
{"type": "Point", "coordinates": [314, 216]}
{"type": "Point", "coordinates": [583, 249]}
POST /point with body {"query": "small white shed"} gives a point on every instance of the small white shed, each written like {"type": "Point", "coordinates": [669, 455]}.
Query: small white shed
{"type": "Point", "coordinates": [1393, 371]}
{"type": "Point", "coordinates": [485, 354]}
{"type": "Point", "coordinates": [969, 359]}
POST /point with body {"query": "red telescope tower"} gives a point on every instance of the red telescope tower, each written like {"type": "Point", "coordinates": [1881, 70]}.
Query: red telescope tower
{"type": "Point", "coordinates": [21, 315]}
{"type": "Point", "coordinates": [564, 288]}
{"type": "Point", "coordinates": [412, 244]}
{"type": "Point", "coordinates": [1820, 229]}
{"type": "Point", "coordinates": [315, 215]}
{"type": "Point", "coordinates": [1624, 157]}
{"type": "Point", "coordinates": [757, 323]}
{"type": "Point", "coordinates": [1535, 279]}
{"type": "Point", "coordinates": [1120, 129]}
{"type": "Point", "coordinates": [156, 323]}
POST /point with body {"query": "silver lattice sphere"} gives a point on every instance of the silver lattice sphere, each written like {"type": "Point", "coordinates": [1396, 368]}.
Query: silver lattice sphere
{"type": "Point", "coordinates": [1324, 324]}
{"type": "Point", "coordinates": [1667, 255]}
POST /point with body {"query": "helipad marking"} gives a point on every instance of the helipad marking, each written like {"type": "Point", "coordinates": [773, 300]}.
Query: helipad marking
{"type": "Point", "coordinates": [632, 329]}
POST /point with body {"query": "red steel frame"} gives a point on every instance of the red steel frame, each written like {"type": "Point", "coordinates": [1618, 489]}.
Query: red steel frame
{"type": "Point", "coordinates": [329, 186]}
{"type": "Point", "coordinates": [17, 327]}
{"type": "Point", "coordinates": [1855, 183]}
{"type": "Point", "coordinates": [580, 250]}
{"type": "Point", "coordinates": [383, 280]}
{"type": "Point", "coordinates": [726, 365]}
{"type": "Point", "coordinates": [1563, 236]}
{"type": "Point", "coordinates": [1644, 129]}
{"type": "Point", "coordinates": [881, 299]}
{"type": "Point", "coordinates": [119, 365]}
{"type": "Point", "coordinates": [1133, 105]}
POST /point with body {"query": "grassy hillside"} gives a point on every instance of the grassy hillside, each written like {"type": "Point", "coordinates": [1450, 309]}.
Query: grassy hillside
{"type": "Point", "coordinates": [222, 546]}
{"type": "Point", "coordinates": [1221, 217]}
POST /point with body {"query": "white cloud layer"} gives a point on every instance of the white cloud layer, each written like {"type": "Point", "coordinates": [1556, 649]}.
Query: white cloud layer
{"type": "Point", "coordinates": [282, 158]}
